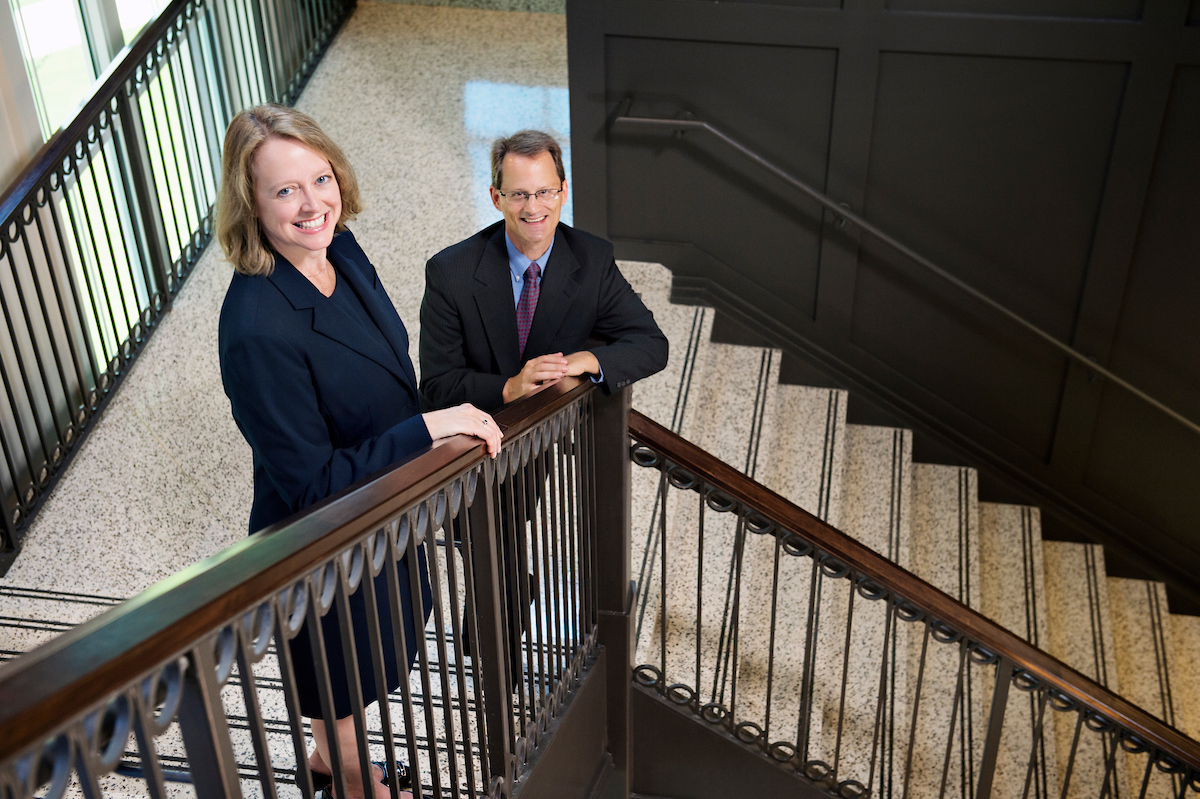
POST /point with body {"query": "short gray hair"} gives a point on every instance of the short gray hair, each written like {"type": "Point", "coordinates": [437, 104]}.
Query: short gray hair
{"type": "Point", "coordinates": [528, 143]}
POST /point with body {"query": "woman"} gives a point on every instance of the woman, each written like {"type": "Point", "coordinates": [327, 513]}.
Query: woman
{"type": "Point", "coordinates": [315, 362]}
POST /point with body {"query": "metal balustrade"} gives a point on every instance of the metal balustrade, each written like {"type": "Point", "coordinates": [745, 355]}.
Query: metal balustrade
{"type": "Point", "coordinates": [797, 640]}
{"type": "Point", "coordinates": [102, 228]}
{"type": "Point", "coordinates": [193, 680]}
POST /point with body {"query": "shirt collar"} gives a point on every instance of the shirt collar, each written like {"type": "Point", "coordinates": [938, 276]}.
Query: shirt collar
{"type": "Point", "coordinates": [518, 263]}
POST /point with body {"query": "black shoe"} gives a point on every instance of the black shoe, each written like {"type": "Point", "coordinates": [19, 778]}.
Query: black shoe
{"type": "Point", "coordinates": [323, 783]}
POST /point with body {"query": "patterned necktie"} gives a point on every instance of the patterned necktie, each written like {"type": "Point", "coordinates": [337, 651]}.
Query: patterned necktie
{"type": "Point", "coordinates": [527, 305]}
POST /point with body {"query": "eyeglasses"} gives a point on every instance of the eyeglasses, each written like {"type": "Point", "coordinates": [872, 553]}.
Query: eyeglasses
{"type": "Point", "coordinates": [521, 197]}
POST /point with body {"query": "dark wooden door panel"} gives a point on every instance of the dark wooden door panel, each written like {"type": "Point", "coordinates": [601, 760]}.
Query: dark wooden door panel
{"type": "Point", "coordinates": [1140, 459]}
{"type": "Point", "coordinates": [778, 99]}
{"type": "Point", "coordinates": [994, 168]}
{"type": "Point", "coordinates": [1077, 9]}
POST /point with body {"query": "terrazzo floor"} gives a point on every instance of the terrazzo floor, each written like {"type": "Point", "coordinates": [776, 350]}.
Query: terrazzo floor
{"type": "Point", "coordinates": [164, 480]}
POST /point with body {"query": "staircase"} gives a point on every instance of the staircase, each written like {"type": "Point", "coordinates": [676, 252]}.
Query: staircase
{"type": "Point", "coordinates": [925, 517]}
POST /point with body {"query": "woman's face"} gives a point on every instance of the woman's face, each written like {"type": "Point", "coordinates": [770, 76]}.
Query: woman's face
{"type": "Point", "coordinates": [297, 198]}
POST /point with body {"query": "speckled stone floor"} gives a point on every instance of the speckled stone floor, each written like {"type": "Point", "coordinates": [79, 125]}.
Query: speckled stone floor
{"type": "Point", "coordinates": [164, 480]}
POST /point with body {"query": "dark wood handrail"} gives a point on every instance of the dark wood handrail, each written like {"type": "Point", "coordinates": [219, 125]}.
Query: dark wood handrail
{"type": "Point", "coordinates": [84, 665]}
{"type": "Point", "coordinates": [940, 605]}
{"type": "Point", "coordinates": [61, 143]}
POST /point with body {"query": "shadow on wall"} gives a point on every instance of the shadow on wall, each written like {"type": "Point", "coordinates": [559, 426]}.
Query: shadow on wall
{"type": "Point", "coordinates": [491, 110]}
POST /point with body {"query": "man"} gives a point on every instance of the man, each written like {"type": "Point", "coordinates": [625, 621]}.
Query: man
{"type": "Point", "coordinates": [518, 306]}
{"type": "Point", "coordinates": [514, 307]}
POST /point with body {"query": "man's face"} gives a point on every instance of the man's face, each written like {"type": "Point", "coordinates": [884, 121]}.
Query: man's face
{"type": "Point", "coordinates": [530, 224]}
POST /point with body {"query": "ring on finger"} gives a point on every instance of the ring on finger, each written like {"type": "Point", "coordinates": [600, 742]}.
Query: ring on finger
{"type": "Point", "coordinates": [485, 421]}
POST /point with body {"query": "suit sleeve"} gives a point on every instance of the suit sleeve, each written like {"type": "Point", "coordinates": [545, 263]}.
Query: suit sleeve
{"type": "Point", "coordinates": [636, 347]}
{"type": "Point", "coordinates": [277, 409]}
{"type": "Point", "coordinates": [446, 376]}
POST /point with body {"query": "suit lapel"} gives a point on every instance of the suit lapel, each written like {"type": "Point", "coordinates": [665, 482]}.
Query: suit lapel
{"type": "Point", "coordinates": [331, 322]}
{"type": "Point", "coordinates": [493, 297]}
{"type": "Point", "coordinates": [558, 287]}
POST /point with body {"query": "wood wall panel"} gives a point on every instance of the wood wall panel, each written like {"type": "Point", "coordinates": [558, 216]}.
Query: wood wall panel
{"type": "Point", "coordinates": [1141, 459]}
{"type": "Point", "coordinates": [1071, 9]}
{"type": "Point", "coordinates": [994, 169]}
{"type": "Point", "coordinates": [776, 98]}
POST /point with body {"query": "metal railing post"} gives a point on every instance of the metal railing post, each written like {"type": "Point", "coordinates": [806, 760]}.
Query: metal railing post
{"type": "Point", "coordinates": [991, 746]}
{"type": "Point", "coordinates": [490, 648]}
{"type": "Point", "coordinates": [205, 728]}
{"type": "Point", "coordinates": [611, 482]}
{"type": "Point", "coordinates": [151, 224]}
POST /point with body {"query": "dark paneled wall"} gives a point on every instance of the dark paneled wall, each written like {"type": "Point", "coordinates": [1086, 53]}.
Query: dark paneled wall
{"type": "Point", "coordinates": [1046, 152]}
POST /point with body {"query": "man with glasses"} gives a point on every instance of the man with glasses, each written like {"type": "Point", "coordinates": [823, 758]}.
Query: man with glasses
{"type": "Point", "coordinates": [527, 301]}
{"type": "Point", "coordinates": [516, 307]}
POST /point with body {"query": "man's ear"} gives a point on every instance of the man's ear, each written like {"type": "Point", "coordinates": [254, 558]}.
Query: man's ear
{"type": "Point", "coordinates": [495, 197]}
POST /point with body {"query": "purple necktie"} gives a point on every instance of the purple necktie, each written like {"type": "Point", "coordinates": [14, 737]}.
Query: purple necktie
{"type": "Point", "coordinates": [527, 305]}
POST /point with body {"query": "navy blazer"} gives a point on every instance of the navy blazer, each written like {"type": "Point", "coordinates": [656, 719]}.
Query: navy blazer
{"type": "Point", "coordinates": [469, 321]}
{"type": "Point", "coordinates": [321, 403]}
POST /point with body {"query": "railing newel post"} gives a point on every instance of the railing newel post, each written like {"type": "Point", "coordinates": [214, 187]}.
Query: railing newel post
{"type": "Point", "coordinates": [611, 530]}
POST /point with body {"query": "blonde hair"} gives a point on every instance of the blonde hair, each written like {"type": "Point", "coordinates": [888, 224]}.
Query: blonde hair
{"type": "Point", "coordinates": [238, 231]}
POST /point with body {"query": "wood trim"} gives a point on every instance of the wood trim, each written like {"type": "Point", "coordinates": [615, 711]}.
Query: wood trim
{"type": "Point", "coordinates": [987, 633]}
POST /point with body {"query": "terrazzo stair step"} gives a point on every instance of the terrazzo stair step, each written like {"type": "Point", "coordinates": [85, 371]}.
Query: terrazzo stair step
{"type": "Point", "coordinates": [1185, 632]}
{"type": "Point", "coordinates": [1080, 634]}
{"type": "Point", "coordinates": [1144, 633]}
{"type": "Point", "coordinates": [729, 406]}
{"type": "Point", "coordinates": [944, 551]}
{"type": "Point", "coordinates": [1012, 594]}
{"type": "Point", "coordinates": [808, 466]}
{"type": "Point", "coordinates": [875, 510]}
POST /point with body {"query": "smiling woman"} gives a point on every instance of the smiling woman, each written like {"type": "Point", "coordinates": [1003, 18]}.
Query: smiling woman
{"type": "Point", "coordinates": [315, 362]}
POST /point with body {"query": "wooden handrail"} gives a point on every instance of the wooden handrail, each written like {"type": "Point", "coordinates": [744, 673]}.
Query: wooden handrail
{"type": "Point", "coordinates": [85, 665]}
{"type": "Point", "coordinates": [938, 604]}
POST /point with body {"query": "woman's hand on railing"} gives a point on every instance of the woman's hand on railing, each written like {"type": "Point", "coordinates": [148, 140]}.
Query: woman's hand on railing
{"type": "Point", "coordinates": [464, 419]}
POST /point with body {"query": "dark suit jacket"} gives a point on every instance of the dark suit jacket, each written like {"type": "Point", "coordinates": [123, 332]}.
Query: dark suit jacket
{"type": "Point", "coordinates": [321, 403]}
{"type": "Point", "coordinates": [469, 322]}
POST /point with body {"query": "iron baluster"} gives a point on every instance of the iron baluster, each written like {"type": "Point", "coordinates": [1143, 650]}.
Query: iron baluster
{"type": "Point", "coordinates": [958, 695]}
{"type": "Point", "coordinates": [421, 527]}
{"type": "Point", "coordinates": [1037, 734]}
{"type": "Point", "coordinates": [287, 616]}
{"type": "Point", "coordinates": [374, 551]}
{"type": "Point", "coordinates": [810, 660]}
{"type": "Point", "coordinates": [837, 747]}
{"type": "Point", "coordinates": [699, 581]}
{"type": "Point", "coordinates": [254, 718]}
{"type": "Point", "coordinates": [151, 222]}
{"type": "Point", "coordinates": [470, 631]}
{"type": "Point", "coordinates": [48, 327]}
{"type": "Point", "coordinates": [882, 695]}
{"type": "Point", "coordinates": [766, 735]}
{"type": "Point", "coordinates": [916, 711]}
{"type": "Point", "coordinates": [1146, 776]}
{"type": "Point", "coordinates": [538, 631]}
{"type": "Point", "coordinates": [991, 746]}
{"type": "Point", "coordinates": [662, 583]}
{"type": "Point", "coordinates": [489, 653]}
{"type": "Point", "coordinates": [1074, 750]}
{"type": "Point", "coordinates": [1109, 766]}
{"type": "Point", "coordinates": [203, 725]}
{"type": "Point", "coordinates": [735, 626]}
{"type": "Point", "coordinates": [151, 767]}
{"type": "Point", "coordinates": [342, 573]}
{"type": "Point", "coordinates": [456, 634]}
{"type": "Point", "coordinates": [439, 630]}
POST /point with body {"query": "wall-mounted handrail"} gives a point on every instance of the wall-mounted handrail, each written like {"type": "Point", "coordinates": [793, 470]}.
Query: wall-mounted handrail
{"type": "Point", "coordinates": [729, 489]}
{"type": "Point", "coordinates": [843, 212]}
